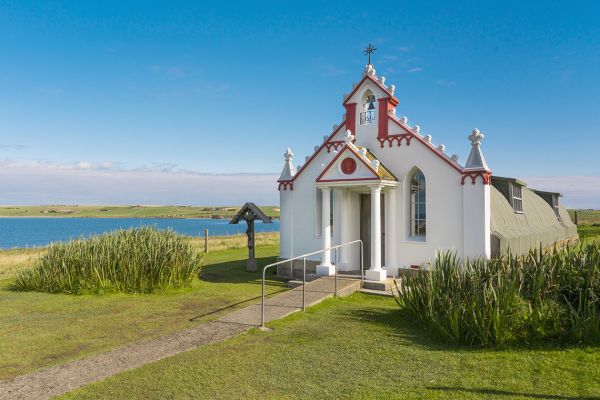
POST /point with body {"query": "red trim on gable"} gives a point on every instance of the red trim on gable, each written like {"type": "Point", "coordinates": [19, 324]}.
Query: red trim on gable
{"type": "Point", "coordinates": [335, 144]}
{"type": "Point", "coordinates": [428, 145]}
{"type": "Point", "coordinates": [393, 100]}
{"type": "Point", "coordinates": [358, 156]}
{"type": "Point", "coordinates": [285, 185]}
{"type": "Point", "coordinates": [319, 149]}
{"type": "Point", "coordinates": [486, 177]}
{"type": "Point", "coordinates": [350, 180]}
{"type": "Point", "coordinates": [396, 138]}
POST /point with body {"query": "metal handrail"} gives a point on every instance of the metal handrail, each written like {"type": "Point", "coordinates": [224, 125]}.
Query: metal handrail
{"type": "Point", "coordinates": [303, 257]}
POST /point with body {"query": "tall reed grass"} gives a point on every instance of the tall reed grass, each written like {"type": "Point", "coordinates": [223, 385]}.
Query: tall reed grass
{"type": "Point", "coordinates": [138, 260]}
{"type": "Point", "coordinates": [543, 296]}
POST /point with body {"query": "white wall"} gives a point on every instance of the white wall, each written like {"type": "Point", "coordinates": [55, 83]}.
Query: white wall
{"type": "Point", "coordinates": [446, 207]}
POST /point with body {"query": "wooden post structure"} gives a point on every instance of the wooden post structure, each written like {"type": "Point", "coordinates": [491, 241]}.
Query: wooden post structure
{"type": "Point", "coordinates": [576, 224]}
{"type": "Point", "coordinates": [206, 241]}
{"type": "Point", "coordinates": [249, 213]}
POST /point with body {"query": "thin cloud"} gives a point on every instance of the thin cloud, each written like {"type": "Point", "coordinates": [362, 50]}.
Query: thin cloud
{"type": "Point", "coordinates": [445, 82]}
{"type": "Point", "coordinates": [328, 69]}
{"type": "Point", "coordinates": [577, 191]}
{"type": "Point", "coordinates": [218, 88]}
{"type": "Point", "coordinates": [12, 147]}
{"type": "Point", "coordinates": [172, 70]}
{"type": "Point", "coordinates": [416, 69]}
{"type": "Point", "coordinates": [42, 182]}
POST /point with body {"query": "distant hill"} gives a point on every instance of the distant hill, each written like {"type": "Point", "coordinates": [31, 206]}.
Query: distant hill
{"type": "Point", "coordinates": [138, 211]}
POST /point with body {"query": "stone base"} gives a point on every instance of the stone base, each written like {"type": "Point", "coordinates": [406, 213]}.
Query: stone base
{"type": "Point", "coordinates": [382, 286]}
{"type": "Point", "coordinates": [325, 269]}
{"type": "Point", "coordinates": [376, 275]}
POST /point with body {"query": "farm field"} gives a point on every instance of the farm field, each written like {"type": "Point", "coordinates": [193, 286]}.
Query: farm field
{"type": "Point", "coordinates": [356, 347]}
{"type": "Point", "coordinates": [134, 211]}
{"type": "Point", "coordinates": [40, 330]}
{"type": "Point", "coordinates": [586, 217]}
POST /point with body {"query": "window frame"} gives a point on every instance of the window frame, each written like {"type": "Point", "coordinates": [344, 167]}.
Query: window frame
{"type": "Point", "coordinates": [516, 195]}
{"type": "Point", "coordinates": [417, 206]}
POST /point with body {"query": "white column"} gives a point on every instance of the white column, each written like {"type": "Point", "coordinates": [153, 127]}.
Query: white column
{"type": "Point", "coordinates": [391, 223]}
{"type": "Point", "coordinates": [376, 273]}
{"type": "Point", "coordinates": [326, 268]}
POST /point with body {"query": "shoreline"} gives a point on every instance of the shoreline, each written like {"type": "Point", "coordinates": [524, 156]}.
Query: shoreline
{"type": "Point", "coordinates": [108, 217]}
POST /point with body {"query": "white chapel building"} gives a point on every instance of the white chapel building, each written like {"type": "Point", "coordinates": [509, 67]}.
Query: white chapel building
{"type": "Point", "coordinates": [376, 178]}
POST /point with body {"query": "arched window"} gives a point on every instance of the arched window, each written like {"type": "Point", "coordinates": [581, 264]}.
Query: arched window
{"type": "Point", "coordinates": [367, 117]}
{"type": "Point", "coordinates": [418, 214]}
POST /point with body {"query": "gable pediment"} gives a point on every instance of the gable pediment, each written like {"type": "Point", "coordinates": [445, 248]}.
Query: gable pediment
{"type": "Point", "coordinates": [354, 164]}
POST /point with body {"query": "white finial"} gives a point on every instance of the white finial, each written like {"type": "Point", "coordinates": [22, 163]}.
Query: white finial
{"type": "Point", "coordinates": [382, 80]}
{"type": "Point", "coordinates": [363, 152]}
{"type": "Point", "coordinates": [476, 137]}
{"type": "Point", "coordinates": [289, 170]}
{"type": "Point", "coordinates": [404, 120]}
{"type": "Point", "coordinates": [288, 154]}
{"type": "Point", "coordinates": [454, 157]}
{"type": "Point", "coordinates": [476, 161]}
{"type": "Point", "coordinates": [316, 148]}
{"type": "Point", "coordinates": [349, 136]}
{"type": "Point", "coordinates": [371, 71]}
{"type": "Point", "coordinates": [428, 138]}
{"type": "Point", "coordinates": [442, 148]}
{"type": "Point", "coordinates": [393, 112]}
{"type": "Point", "coordinates": [392, 89]}
{"type": "Point", "coordinates": [416, 129]}
{"type": "Point", "coordinates": [375, 164]}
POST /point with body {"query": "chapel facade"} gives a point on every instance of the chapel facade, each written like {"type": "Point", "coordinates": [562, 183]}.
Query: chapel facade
{"type": "Point", "coordinates": [378, 179]}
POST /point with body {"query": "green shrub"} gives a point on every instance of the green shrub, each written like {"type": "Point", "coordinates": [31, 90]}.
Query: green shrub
{"type": "Point", "coordinates": [553, 295]}
{"type": "Point", "coordinates": [133, 261]}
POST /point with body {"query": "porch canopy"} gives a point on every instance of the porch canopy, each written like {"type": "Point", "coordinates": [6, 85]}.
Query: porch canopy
{"type": "Point", "coordinates": [356, 168]}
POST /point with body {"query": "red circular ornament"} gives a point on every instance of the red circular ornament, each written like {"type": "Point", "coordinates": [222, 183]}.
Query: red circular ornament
{"type": "Point", "coordinates": [348, 166]}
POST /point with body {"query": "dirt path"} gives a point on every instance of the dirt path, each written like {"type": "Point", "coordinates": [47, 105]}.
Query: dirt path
{"type": "Point", "coordinates": [54, 381]}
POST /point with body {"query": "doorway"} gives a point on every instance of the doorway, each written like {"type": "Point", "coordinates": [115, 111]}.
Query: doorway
{"type": "Point", "coordinates": [365, 228]}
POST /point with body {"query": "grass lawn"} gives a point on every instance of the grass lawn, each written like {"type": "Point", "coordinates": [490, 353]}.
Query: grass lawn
{"type": "Point", "coordinates": [356, 347]}
{"type": "Point", "coordinates": [126, 211]}
{"type": "Point", "coordinates": [39, 330]}
{"type": "Point", "coordinates": [589, 232]}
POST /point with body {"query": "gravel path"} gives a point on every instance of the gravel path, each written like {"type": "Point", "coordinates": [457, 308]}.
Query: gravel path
{"type": "Point", "coordinates": [54, 381]}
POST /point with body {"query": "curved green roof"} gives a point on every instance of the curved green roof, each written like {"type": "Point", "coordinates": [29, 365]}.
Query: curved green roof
{"type": "Point", "coordinates": [520, 232]}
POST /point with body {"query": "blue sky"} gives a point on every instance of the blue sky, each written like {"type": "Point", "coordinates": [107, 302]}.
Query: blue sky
{"type": "Point", "coordinates": [94, 90]}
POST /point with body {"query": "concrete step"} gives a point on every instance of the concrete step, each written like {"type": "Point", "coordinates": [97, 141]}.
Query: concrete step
{"type": "Point", "coordinates": [383, 286]}
{"type": "Point", "coordinates": [294, 283]}
{"type": "Point", "coordinates": [377, 292]}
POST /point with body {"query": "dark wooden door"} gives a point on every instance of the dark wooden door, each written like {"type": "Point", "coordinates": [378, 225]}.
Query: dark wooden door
{"type": "Point", "coordinates": [365, 228]}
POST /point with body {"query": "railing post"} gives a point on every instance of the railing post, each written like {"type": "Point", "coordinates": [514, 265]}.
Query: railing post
{"type": "Point", "coordinates": [304, 284]}
{"type": "Point", "coordinates": [262, 308]}
{"type": "Point", "coordinates": [361, 264]}
{"type": "Point", "coordinates": [336, 270]}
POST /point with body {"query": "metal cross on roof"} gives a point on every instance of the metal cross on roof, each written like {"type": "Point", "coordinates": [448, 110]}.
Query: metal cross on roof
{"type": "Point", "coordinates": [369, 50]}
